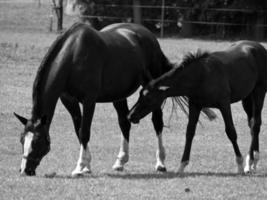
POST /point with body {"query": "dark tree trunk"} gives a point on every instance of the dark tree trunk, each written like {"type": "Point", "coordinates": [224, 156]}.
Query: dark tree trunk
{"type": "Point", "coordinates": [137, 11]}
{"type": "Point", "coordinates": [58, 6]}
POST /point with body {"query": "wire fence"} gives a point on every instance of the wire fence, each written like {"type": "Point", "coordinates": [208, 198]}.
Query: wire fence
{"type": "Point", "coordinates": [163, 9]}
{"type": "Point", "coordinates": [161, 18]}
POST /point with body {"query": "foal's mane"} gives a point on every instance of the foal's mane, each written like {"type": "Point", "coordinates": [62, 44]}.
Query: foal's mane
{"type": "Point", "coordinates": [191, 57]}
{"type": "Point", "coordinates": [182, 101]}
{"type": "Point", "coordinates": [44, 66]}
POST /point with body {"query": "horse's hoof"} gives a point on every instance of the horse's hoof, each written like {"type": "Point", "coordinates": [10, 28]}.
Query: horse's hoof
{"type": "Point", "coordinates": [118, 168]}
{"type": "Point", "coordinates": [161, 169]}
{"type": "Point", "coordinates": [80, 173]}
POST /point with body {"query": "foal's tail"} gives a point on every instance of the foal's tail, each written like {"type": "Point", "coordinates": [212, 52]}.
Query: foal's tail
{"type": "Point", "coordinates": [182, 102]}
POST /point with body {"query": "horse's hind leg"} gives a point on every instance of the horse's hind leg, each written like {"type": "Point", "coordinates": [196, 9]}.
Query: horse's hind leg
{"type": "Point", "coordinates": [231, 133]}
{"type": "Point", "coordinates": [248, 107]}
{"type": "Point", "coordinates": [158, 126]}
{"type": "Point", "coordinates": [255, 124]}
{"type": "Point", "coordinates": [123, 156]}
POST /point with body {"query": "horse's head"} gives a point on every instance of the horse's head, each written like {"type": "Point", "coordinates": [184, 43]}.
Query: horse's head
{"type": "Point", "coordinates": [150, 98]}
{"type": "Point", "coordinates": [35, 144]}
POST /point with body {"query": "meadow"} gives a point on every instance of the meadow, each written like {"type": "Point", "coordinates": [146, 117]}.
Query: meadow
{"type": "Point", "coordinates": [211, 174]}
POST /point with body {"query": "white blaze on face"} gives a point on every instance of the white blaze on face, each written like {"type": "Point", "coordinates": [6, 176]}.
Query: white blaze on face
{"type": "Point", "coordinates": [145, 92]}
{"type": "Point", "coordinates": [27, 148]}
{"type": "Point", "coordinates": [163, 88]}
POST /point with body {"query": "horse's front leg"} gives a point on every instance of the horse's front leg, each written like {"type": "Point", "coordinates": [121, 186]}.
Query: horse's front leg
{"type": "Point", "coordinates": [231, 133]}
{"type": "Point", "coordinates": [194, 112]}
{"type": "Point", "coordinates": [255, 125]}
{"type": "Point", "coordinates": [83, 164]}
{"type": "Point", "coordinates": [123, 156]}
{"type": "Point", "coordinates": [160, 153]}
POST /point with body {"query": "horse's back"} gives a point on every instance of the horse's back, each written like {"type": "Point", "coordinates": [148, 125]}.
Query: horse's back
{"type": "Point", "coordinates": [131, 50]}
{"type": "Point", "coordinates": [141, 41]}
{"type": "Point", "coordinates": [252, 55]}
{"type": "Point", "coordinates": [109, 63]}
{"type": "Point", "coordinates": [243, 67]}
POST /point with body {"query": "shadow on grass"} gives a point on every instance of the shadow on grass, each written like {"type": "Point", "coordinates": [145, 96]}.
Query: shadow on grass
{"type": "Point", "coordinates": [171, 175]}
{"type": "Point", "coordinates": [166, 175]}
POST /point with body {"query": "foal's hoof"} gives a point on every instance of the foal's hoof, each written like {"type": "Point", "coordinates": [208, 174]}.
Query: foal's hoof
{"type": "Point", "coordinates": [118, 165]}
{"type": "Point", "coordinates": [161, 168]}
{"type": "Point", "coordinates": [118, 168]}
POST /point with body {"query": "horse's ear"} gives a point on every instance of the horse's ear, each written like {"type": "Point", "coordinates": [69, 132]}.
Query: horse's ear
{"type": "Point", "coordinates": [23, 120]}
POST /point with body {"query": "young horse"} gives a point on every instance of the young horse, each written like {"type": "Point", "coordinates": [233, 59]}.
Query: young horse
{"type": "Point", "coordinates": [215, 80]}
{"type": "Point", "coordinates": [87, 66]}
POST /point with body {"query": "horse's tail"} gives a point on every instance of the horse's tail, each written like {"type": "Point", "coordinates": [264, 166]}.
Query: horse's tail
{"type": "Point", "coordinates": [182, 102]}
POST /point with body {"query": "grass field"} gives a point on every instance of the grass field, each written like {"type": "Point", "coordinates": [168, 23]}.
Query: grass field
{"type": "Point", "coordinates": [210, 175]}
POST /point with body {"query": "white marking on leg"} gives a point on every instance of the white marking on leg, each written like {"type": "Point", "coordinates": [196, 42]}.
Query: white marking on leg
{"type": "Point", "coordinates": [247, 168]}
{"type": "Point", "coordinates": [27, 148]}
{"type": "Point", "coordinates": [123, 155]}
{"type": "Point", "coordinates": [182, 167]}
{"type": "Point", "coordinates": [83, 164]}
{"type": "Point", "coordinates": [160, 155]}
{"type": "Point", "coordinates": [256, 160]}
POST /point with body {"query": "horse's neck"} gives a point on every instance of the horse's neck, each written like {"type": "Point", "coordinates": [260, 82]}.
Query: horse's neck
{"type": "Point", "coordinates": [46, 92]}
{"type": "Point", "coordinates": [179, 81]}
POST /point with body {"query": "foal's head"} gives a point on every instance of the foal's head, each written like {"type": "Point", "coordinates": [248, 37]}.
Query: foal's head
{"type": "Point", "coordinates": [151, 97]}
{"type": "Point", "coordinates": [35, 144]}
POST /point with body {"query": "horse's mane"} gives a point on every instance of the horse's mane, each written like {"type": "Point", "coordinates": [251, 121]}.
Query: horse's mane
{"type": "Point", "coordinates": [46, 61]}
{"type": "Point", "coordinates": [191, 57]}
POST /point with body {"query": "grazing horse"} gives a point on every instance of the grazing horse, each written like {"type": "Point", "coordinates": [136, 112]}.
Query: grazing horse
{"type": "Point", "coordinates": [215, 80]}
{"type": "Point", "coordinates": [88, 66]}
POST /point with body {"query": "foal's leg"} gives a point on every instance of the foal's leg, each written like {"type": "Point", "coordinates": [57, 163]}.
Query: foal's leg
{"type": "Point", "coordinates": [231, 133]}
{"type": "Point", "coordinates": [255, 124]}
{"type": "Point", "coordinates": [123, 156]}
{"type": "Point", "coordinates": [248, 107]}
{"type": "Point", "coordinates": [158, 126]}
{"type": "Point", "coordinates": [194, 112]}
{"type": "Point", "coordinates": [83, 164]}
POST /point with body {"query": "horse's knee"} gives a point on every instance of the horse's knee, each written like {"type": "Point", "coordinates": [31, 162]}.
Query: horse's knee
{"type": "Point", "coordinates": [125, 126]}
{"type": "Point", "coordinates": [157, 121]}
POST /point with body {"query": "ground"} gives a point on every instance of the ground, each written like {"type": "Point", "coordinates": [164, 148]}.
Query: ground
{"type": "Point", "coordinates": [211, 174]}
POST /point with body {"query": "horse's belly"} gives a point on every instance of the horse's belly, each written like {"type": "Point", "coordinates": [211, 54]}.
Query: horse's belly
{"type": "Point", "coordinates": [116, 94]}
{"type": "Point", "coordinates": [118, 87]}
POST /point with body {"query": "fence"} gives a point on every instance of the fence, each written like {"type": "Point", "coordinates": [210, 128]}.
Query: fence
{"type": "Point", "coordinates": [258, 25]}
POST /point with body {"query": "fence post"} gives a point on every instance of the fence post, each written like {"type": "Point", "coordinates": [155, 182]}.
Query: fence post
{"type": "Point", "coordinates": [39, 3]}
{"type": "Point", "coordinates": [259, 30]}
{"type": "Point", "coordinates": [59, 13]}
{"type": "Point", "coordinates": [162, 18]}
{"type": "Point", "coordinates": [137, 12]}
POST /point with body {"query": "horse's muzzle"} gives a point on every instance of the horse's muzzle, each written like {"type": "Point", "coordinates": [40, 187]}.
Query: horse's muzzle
{"type": "Point", "coordinates": [28, 173]}
{"type": "Point", "coordinates": [133, 119]}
